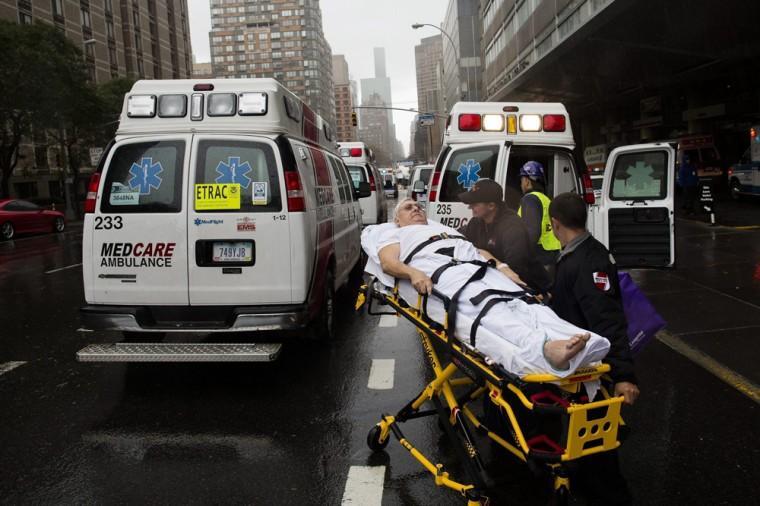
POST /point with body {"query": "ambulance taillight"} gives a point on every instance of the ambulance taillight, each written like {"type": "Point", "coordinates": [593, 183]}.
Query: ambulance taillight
{"type": "Point", "coordinates": [588, 189]}
{"type": "Point", "coordinates": [371, 180]}
{"type": "Point", "coordinates": [469, 122]}
{"type": "Point", "coordinates": [296, 202]}
{"type": "Point", "coordinates": [434, 181]}
{"type": "Point", "coordinates": [92, 193]}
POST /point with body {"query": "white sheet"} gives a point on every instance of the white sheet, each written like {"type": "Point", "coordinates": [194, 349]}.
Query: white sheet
{"type": "Point", "coordinates": [512, 333]}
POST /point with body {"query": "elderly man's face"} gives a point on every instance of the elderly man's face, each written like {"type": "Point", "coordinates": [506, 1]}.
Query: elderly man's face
{"type": "Point", "coordinates": [410, 213]}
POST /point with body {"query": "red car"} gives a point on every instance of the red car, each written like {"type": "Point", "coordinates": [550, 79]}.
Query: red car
{"type": "Point", "coordinates": [18, 216]}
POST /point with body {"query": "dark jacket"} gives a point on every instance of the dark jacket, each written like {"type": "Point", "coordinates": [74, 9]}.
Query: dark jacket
{"type": "Point", "coordinates": [586, 293]}
{"type": "Point", "coordinates": [507, 239]}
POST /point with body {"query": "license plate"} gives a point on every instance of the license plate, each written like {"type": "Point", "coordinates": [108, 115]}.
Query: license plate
{"type": "Point", "coordinates": [232, 252]}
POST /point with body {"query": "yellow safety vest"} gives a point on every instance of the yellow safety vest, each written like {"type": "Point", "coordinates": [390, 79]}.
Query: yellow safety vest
{"type": "Point", "coordinates": [547, 240]}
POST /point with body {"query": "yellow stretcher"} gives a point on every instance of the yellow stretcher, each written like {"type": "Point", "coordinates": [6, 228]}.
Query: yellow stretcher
{"type": "Point", "coordinates": [463, 375]}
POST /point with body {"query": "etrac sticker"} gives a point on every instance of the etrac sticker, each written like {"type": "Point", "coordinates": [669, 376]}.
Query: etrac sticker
{"type": "Point", "coordinates": [217, 197]}
{"type": "Point", "coordinates": [145, 175]}
{"type": "Point", "coordinates": [260, 192]}
{"type": "Point", "coordinates": [234, 172]}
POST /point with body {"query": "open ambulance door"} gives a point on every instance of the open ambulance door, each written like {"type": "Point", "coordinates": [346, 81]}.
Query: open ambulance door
{"type": "Point", "coordinates": [634, 217]}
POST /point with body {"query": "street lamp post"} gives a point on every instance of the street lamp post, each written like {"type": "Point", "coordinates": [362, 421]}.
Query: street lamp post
{"type": "Point", "coordinates": [415, 26]}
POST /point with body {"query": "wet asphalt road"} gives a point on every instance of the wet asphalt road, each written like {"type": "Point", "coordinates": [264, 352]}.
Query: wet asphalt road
{"type": "Point", "coordinates": [289, 432]}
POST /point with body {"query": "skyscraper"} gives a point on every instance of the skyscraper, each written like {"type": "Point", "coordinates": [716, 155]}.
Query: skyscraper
{"type": "Point", "coordinates": [283, 39]}
{"type": "Point", "coordinates": [379, 88]}
{"type": "Point", "coordinates": [462, 68]}
{"type": "Point", "coordinates": [344, 104]}
{"type": "Point", "coordinates": [428, 58]}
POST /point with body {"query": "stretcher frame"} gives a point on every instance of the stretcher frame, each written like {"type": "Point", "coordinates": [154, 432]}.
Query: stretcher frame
{"type": "Point", "coordinates": [583, 434]}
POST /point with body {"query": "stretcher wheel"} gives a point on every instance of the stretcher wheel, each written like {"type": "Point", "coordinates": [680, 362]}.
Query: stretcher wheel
{"type": "Point", "coordinates": [373, 439]}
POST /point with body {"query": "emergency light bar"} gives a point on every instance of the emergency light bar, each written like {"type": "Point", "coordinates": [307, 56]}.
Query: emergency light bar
{"type": "Point", "coordinates": [527, 122]}
{"type": "Point", "coordinates": [141, 106]}
{"type": "Point", "coordinates": [355, 152]}
{"type": "Point", "coordinates": [172, 106]}
{"type": "Point", "coordinates": [221, 104]}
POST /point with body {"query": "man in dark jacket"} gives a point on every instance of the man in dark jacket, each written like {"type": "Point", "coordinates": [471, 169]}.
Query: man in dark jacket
{"type": "Point", "coordinates": [498, 230]}
{"type": "Point", "coordinates": [586, 292]}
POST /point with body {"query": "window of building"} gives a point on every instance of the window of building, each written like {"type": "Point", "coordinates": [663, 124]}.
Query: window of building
{"type": "Point", "coordinates": [108, 6]}
{"type": "Point", "coordinates": [84, 16]}
{"type": "Point", "coordinates": [109, 29]}
{"type": "Point", "coordinates": [58, 8]}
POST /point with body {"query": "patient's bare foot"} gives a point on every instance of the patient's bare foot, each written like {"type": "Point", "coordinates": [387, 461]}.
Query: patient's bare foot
{"type": "Point", "coordinates": [558, 353]}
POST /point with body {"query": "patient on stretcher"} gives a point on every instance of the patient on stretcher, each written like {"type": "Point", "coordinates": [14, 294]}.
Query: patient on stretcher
{"type": "Point", "coordinates": [524, 338]}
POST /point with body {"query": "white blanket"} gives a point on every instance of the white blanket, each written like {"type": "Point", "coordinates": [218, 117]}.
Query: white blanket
{"type": "Point", "coordinates": [512, 333]}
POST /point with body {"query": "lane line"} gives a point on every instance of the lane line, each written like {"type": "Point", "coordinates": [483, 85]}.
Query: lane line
{"type": "Point", "coordinates": [82, 329]}
{"type": "Point", "coordinates": [710, 331]}
{"type": "Point", "coordinates": [733, 379]}
{"type": "Point", "coordinates": [63, 268]}
{"type": "Point", "coordinates": [388, 320]}
{"type": "Point", "coordinates": [364, 486]}
{"type": "Point", "coordinates": [747, 227]}
{"type": "Point", "coordinates": [9, 366]}
{"type": "Point", "coordinates": [381, 374]}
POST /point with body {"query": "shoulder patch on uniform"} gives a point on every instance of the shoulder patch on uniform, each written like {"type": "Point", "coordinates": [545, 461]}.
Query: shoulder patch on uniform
{"type": "Point", "coordinates": [602, 281]}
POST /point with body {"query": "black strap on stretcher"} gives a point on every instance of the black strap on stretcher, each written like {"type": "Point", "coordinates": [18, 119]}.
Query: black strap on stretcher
{"type": "Point", "coordinates": [423, 245]}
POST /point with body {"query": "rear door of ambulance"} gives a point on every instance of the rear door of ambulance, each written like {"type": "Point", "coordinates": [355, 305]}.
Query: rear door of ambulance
{"type": "Point", "coordinates": [137, 233]}
{"type": "Point", "coordinates": [238, 237]}
{"type": "Point", "coordinates": [464, 166]}
{"type": "Point", "coordinates": [635, 216]}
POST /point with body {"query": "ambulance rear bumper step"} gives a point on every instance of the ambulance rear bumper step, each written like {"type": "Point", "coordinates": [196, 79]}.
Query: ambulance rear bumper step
{"type": "Point", "coordinates": [174, 352]}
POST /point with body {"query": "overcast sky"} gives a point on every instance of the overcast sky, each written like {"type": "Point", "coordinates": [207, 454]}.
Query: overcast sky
{"type": "Point", "coordinates": [353, 28]}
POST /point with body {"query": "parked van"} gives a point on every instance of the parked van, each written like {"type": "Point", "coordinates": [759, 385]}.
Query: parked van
{"type": "Point", "coordinates": [361, 165]}
{"type": "Point", "coordinates": [703, 153]}
{"type": "Point", "coordinates": [744, 175]}
{"type": "Point", "coordinates": [220, 206]}
{"type": "Point", "coordinates": [634, 215]}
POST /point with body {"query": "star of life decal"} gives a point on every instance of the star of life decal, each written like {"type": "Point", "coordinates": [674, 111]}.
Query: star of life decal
{"type": "Point", "coordinates": [234, 172]}
{"type": "Point", "coordinates": [145, 175]}
{"type": "Point", "coordinates": [468, 173]}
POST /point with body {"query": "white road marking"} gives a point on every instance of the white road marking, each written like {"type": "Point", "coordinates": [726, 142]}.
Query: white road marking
{"type": "Point", "coordinates": [388, 320]}
{"type": "Point", "coordinates": [63, 268]}
{"type": "Point", "coordinates": [364, 486]}
{"type": "Point", "coordinates": [82, 329]}
{"type": "Point", "coordinates": [9, 366]}
{"type": "Point", "coordinates": [381, 374]}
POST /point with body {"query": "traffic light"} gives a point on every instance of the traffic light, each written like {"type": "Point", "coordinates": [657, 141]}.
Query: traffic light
{"type": "Point", "coordinates": [353, 118]}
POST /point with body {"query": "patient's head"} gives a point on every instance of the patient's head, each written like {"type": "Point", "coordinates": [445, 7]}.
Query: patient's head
{"type": "Point", "coordinates": [409, 212]}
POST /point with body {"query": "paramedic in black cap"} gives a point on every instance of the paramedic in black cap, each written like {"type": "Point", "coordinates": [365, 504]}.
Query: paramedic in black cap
{"type": "Point", "coordinates": [586, 293]}
{"type": "Point", "coordinates": [496, 229]}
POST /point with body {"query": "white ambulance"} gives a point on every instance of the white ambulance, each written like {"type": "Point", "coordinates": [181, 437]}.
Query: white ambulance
{"type": "Point", "coordinates": [634, 215]}
{"type": "Point", "coordinates": [220, 206]}
{"type": "Point", "coordinates": [361, 165]}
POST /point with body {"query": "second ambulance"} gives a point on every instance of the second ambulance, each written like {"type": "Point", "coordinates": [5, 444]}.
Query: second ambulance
{"type": "Point", "coordinates": [634, 215]}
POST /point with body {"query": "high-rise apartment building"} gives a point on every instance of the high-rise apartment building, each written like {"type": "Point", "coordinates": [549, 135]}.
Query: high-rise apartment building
{"type": "Point", "coordinates": [136, 38]}
{"type": "Point", "coordinates": [428, 59]}
{"type": "Point", "coordinates": [344, 104]}
{"type": "Point", "coordinates": [462, 71]}
{"type": "Point", "coordinates": [374, 129]}
{"type": "Point", "coordinates": [275, 38]}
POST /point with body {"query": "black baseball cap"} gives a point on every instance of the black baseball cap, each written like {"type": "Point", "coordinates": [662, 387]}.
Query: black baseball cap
{"type": "Point", "coordinates": [483, 191]}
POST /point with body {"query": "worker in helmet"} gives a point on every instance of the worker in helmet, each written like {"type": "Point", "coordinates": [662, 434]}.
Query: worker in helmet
{"type": "Point", "coordinates": [534, 210]}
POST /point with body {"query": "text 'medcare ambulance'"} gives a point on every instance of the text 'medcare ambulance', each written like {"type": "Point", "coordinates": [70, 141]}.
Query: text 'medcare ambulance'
{"type": "Point", "coordinates": [220, 205]}
{"type": "Point", "coordinates": [634, 216]}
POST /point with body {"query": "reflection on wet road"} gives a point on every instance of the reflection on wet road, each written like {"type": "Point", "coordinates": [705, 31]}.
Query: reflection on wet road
{"type": "Point", "coordinates": [293, 431]}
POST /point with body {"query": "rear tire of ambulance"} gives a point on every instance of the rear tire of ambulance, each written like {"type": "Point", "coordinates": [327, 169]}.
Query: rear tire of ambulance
{"type": "Point", "coordinates": [322, 325]}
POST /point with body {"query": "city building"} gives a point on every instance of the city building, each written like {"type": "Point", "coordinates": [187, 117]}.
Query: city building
{"type": "Point", "coordinates": [630, 71]}
{"type": "Point", "coordinates": [374, 130]}
{"type": "Point", "coordinates": [380, 86]}
{"type": "Point", "coordinates": [203, 70]}
{"type": "Point", "coordinates": [138, 39]}
{"type": "Point", "coordinates": [281, 39]}
{"type": "Point", "coordinates": [344, 101]}
{"type": "Point", "coordinates": [428, 58]}
{"type": "Point", "coordinates": [462, 69]}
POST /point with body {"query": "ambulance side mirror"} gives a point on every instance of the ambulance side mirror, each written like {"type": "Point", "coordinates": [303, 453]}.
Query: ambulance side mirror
{"type": "Point", "coordinates": [362, 191]}
{"type": "Point", "coordinates": [419, 187]}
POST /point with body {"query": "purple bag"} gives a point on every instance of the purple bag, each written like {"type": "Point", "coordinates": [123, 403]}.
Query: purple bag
{"type": "Point", "coordinates": [643, 320]}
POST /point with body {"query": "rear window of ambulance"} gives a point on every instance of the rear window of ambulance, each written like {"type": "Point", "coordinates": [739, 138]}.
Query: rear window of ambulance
{"type": "Point", "coordinates": [464, 168]}
{"type": "Point", "coordinates": [252, 165]}
{"type": "Point", "coordinates": [145, 177]}
{"type": "Point", "coordinates": [358, 175]}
